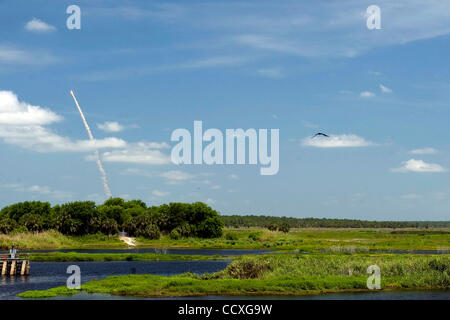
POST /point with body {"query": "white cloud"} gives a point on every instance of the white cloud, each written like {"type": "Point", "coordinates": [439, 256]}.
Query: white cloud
{"type": "Point", "coordinates": [126, 72]}
{"type": "Point", "coordinates": [15, 56]}
{"type": "Point", "coordinates": [112, 126]}
{"type": "Point", "coordinates": [367, 94]}
{"type": "Point", "coordinates": [159, 193]}
{"type": "Point", "coordinates": [135, 155]}
{"type": "Point", "coordinates": [152, 145]}
{"type": "Point", "coordinates": [15, 112]}
{"type": "Point", "coordinates": [176, 176]}
{"type": "Point", "coordinates": [385, 89]}
{"type": "Point", "coordinates": [233, 176]}
{"type": "Point", "coordinates": [210, 201]}
{"type": "Point", "coordinates": [423, 151]}
{"type": "Point", "coordinates": [336, 141]}
{"type": "Point", "coordinates": [215, 187]}
{"type": "Point", "coordinates": [37, 189]}
{"type": "Point", "coordinates": [24, 125]}
{"type": "Point", "coordinates": [414, 165]}
{"type": "Point", "coordinates": [39, 26]}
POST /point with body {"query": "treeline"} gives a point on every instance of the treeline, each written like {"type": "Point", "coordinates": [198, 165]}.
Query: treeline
{"type": "Point", "coordinates": [236, 221]}
{"type": "Point", "coordinates": [114, 215]}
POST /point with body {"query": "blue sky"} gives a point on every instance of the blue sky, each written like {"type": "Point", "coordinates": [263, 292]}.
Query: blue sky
{"type": "Point", "coordinates": [141, 69]}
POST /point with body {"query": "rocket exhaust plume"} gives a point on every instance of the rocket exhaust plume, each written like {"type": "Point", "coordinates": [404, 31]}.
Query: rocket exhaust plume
{"type": "Point", "coordinates": [91, 137]}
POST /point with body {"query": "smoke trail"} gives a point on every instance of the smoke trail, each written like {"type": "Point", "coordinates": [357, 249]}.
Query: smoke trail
{"type": "Point", "coordinates": [91, 137]}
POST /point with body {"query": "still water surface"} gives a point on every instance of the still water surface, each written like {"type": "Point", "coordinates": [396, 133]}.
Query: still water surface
{"type": "Point", "coordinates": [45, 275]}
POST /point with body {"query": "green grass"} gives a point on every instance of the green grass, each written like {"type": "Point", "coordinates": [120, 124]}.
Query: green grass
{"type": "Point", "coordinates": [332, 240]}
{"type": "Point", "coordinates": [55, 240]}
{"type": "Point", "coordinates": [76, 256]}
{"type": "Point", "coordinates": [315, 239]}
{"type": "Point", "coordinates": [280, 275]}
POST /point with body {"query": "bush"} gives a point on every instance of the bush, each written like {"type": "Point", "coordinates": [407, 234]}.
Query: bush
{"type": "Point", "coordinates": [248, 268]}
{"type": "Point", "coordinates": [254, 236]}
{"type": "Point", "coordinates": [231, 236]}
{"type": "Point", "coordinates": [284, 227]}
{"type": "Point", "coordinates": [32, 222]}
{"type": "Point", "coordinates": [272, 227]}
{"type": "Point", "coordinates": [7, 225]}
{"type": "Point", "coordinates": [210, 227]}
{"type": "Point", "coordinates": [151, 232]}
{"type": "Point", "coordinates": [174, 235]}
{"type": "Point", "coordinates": [19, 229]}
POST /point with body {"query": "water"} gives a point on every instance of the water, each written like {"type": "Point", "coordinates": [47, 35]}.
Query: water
{"type": "Point", "coordinates": [46, 275]}
{"type": "Point", "coordinates": [203, 252]}
{"type": "Point", "coordinates": [380, 295]}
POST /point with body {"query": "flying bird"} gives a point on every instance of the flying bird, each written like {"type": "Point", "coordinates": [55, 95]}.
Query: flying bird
{"type": "Point", "coordinates": [321, 134]}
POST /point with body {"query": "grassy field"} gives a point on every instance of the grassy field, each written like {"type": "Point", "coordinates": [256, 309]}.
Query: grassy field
{"type": "Point", "coordinates": [55, 240]}
{"type": "Point", "coordinates": [333, 240]}
{"type": "Point", "coordinates": [316, 239]}
{"type": "Point", "coordinates": [280, 275]}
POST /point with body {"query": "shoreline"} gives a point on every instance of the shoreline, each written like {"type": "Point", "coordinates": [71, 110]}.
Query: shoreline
{"type": "Point", "coordinates": [277, 275]}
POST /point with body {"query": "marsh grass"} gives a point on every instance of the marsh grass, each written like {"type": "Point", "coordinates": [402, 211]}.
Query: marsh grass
{"type": "Point", "coordinates": [280, 275]}
{"type": "Point", "coordinates": [311, 240]}
{"type": "Point", "coordinates": [54, 240]}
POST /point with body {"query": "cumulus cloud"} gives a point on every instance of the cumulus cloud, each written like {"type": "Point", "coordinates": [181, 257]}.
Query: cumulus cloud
{"type": "Point", "coordinates": [367, 94]}
{"type": "Point", "coordinates": [423, 151]}
{"type": "Point", "coordinates": [112, 126]}
{"type": "Point", "coordinates": [414, 165]}
{"type": "Point", "coordinates": [39, 26]}
{"type": "Point", "coordinates": [385, 89]}
{"type": "Point", "coordinates": [25, 125]}
{"type": "Point", "coordinates": [336, 141]}
{"type": "Point", "coordinates": [15, 112]}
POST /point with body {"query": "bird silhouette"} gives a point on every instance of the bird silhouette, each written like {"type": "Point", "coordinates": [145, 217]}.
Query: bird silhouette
{"type": "Point", "coordinates": [321, 134]}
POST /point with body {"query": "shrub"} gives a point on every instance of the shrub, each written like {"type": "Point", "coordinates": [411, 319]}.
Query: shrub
{"type": "Point", "coordinates": [284, 227]}
{"type": "Point", "coordinates": [19, 229]}
{"type": "Point", "coordinates": [248, 268]}
{"type": "Point", "coordinates": [174, 235]}
{"type": "Point", "coordinates": [210, 228]}
{"type": "Point", "coordinates": [231, 236]}
{"type": "Point", "coordinates": [151, 232]}
{"type": "Point", "coordinates": [32, 222]}
{"type": "Point", "coordinates": [7, 225]}
{"type": "Point", "coordinates": [254, 236]}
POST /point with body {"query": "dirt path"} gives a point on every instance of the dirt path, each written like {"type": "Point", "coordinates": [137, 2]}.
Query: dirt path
{"type": "Point", "coordinates": [128, 240]}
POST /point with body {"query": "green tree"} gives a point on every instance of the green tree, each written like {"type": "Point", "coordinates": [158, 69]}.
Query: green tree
{"type": "Point", "coordinates": [33, 222]}
{"type": "Point", "coordinates": [7, 225]}
{"type": "Point", "coordinates": [284, 227]}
